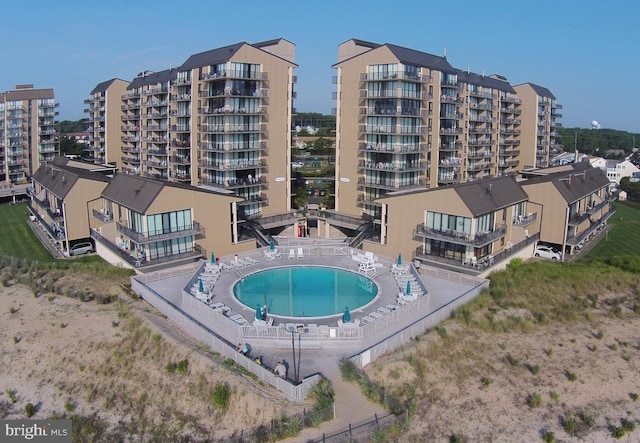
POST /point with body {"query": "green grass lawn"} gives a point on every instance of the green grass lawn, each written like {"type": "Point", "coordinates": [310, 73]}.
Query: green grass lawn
{"type": "Point", "coordinates": [17, 239]}
{"type": "Point", "coordinates": [623, 238]}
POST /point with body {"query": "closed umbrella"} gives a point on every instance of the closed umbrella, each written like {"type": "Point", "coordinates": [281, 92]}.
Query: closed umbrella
{"type": "Point", "coordinates": [258, 313]}
{"type": "Point", "coordinates": [399, 259]}
{"type": "Point", "coordinates": [346, 316]}
{"type": "Point", "coordinates": [213, 258]}
{"type": "Point", "coordinates": [200, 285]}
{"type": "Point", "coordinates": [272, 245]}
{"type": "Point", "coordinates": [408, 288]}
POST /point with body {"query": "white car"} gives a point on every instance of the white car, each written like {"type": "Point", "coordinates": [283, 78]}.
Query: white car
{"type": "Point", "coordinates": [297, 165]}
{"type": "Point", "coordinates": [81, 248]}
{"type": "Point", "coordinates": [547, 252]}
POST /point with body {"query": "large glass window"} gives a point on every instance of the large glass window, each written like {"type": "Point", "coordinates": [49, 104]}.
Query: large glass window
{"type": "Point", "coordinates": [169, 222]}
{"type": "Point", "coordinates": [448, 222]}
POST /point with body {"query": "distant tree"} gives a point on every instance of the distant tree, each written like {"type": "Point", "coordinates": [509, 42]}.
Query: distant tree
{"type": "Point", "coordinates": [596, 141]}
{"type": "Point", "coordinates": [631, 188]}
{"type": "Point", "coordinates": [69, 126]}
{"type": "Point", "coordinates": [68, 146]}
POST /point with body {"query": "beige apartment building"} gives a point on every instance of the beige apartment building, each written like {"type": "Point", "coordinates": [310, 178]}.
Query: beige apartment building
{"type": "Point", "coordinates": [220, 121]}
{"type": "Point", "coordinates": [146, 223]}
{"type": "Point", "coordinates": [409, 120]}
{"type": "Point", "coordinates": [540, 114]}
{"type": "Point", "coordinates": [28, 132]}
{"type": "Point", "coordinates": [104, 122]}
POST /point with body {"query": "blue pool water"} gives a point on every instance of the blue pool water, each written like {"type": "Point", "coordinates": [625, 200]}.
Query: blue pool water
{"type": "Point", "coordinates": [305, 291]}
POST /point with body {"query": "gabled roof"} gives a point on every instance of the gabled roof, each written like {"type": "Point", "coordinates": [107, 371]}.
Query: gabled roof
{"type": "Point", "coordinates": [408, 56]}
{"type": "Point", "coordinates": [138, 193]}
{"type": "Point", "coordinates": [541, 91]}
{"type": "Point", "coordinates": [153, 78]}
{"type": "Point", "coordinates": [481, 196]}
{"type": "Point", "coordinates": [575, 185]}
{"type": "Point", "coordinates": [59, 180]}
{"type": "Point", "coordinates": [211, 57]}
{"type": "Point", "coordinates": [487, 196]}
{"type": "Point", "coordinates": [484, 81]}
{"type": "Point", "coordinates": [101, 87]}
{"type": "Point", "coordinates": [135, 193]}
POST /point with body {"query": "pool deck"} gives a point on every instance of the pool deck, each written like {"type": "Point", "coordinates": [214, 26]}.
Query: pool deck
{"type": "Point", "coordinates": [441, 291]}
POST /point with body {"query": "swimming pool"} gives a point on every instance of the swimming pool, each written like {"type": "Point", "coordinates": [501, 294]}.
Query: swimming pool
{"type": "Point", "coordinates": [305, 291]}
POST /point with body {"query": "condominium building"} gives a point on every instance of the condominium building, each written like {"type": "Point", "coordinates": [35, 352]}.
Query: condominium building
{"type": "Point", "coordinates": [28, 132]}
{"type": "Point", "coordinates": [221, 121]}
{"type": "Point", "coordinates": [410, 120]}
{"type": "Point", "coordinates": [539, 122]}
{"type": "Point", "coordinates": [104, 122]}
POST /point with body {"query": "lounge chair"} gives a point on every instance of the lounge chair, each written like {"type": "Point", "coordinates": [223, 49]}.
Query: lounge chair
{"type": "Point", "coordinates": [251, 261]}
{"type": "Point", "coordinates": [292, 254]}
{"type": "Point", "coordinates": [300, 253]}
{"type": "Point", "coordinates": [225, 267]}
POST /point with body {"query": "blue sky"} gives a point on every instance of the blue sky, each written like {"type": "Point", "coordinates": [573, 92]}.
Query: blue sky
{"type": "Point", "coordinates": [586, 52]}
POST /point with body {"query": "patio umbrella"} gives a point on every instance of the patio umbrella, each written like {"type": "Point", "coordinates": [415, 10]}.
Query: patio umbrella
{"type": "Point", "coordinates": [200, 285]}
{"type": "Point", "coordinates": [272, 245]}
{"type": "Point", "coordinates": [408, 288]}
{"type": "Point", "coordinates": [399, 259]}
{"type": "Point", "coordinates": [213, 258]}
{"type": "Point", "coordinates": [258, 312]}
{"type": "Point", "coordinates": [346, 316]}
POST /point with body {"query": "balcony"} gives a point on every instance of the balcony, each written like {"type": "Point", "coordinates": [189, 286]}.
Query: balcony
{"type": "Point", "coordinates": [396, 147]}
{"type": "Point", "coordinates": [231, 165]}
{"type": "Point", "coordinates": [522, 220]}
{"type": "Point", "coordinates": [395, 166]}
{"type": "Point", "coordinates": [480, 142]}
{"type": "Point", "coordinates": [389, 184]}
{"type": "Point", "coordinates": [149, 237]}
{"type": "Point", "coordinates": [102, 215]}
{"type": "Point", "coordinates": [235, 183]}
{"type": "Point", "coordinates": [477, 240]}
{"type": "Point", "coordinates": [260, 198]}
{"type": "Point", "coordinates": [142, 262]}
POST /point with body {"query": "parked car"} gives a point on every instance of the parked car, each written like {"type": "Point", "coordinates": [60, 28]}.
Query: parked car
{"type": "Point", "coordinates": [81, 248]}
{"type": "Point", "coordinates": [297, 164]}
{"type": "Point", "coordinates": [547, 252]}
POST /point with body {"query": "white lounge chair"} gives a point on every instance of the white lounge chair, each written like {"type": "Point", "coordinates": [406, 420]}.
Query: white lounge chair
{"type": "Point", "coordinates": [300, 253]}
{"type": "Point", "coordinates": [251, 260]}
{"type": "Point", "coordinates": [292, 254]}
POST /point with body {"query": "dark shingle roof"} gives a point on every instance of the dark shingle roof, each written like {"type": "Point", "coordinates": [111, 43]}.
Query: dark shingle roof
{"type": "Point", "coordinates": [211, 57]}
{"type": "Point", "coordinates": [101, 87]}
{"type": "Point", "coordinates": [409, 56]}
{"type": "Point", "coordinates": [486, 82]}
{"type": "Point", "coordinates": [576, 185]}
{"type": "Point", "coordinates": [417, 58]}
{"type": "Point", "coordinates": [59, 180]}
{"type": "Point", "coordinates": [138, 193]}
{"type": "Point", "coordinates": [135, 193]}
{"type": "Point", "coordinates": [486, 196]}
{"type": "Point", "coordinates": [541, 91]}
{"type": "Point", "coordinates": [481, 197]}
{"type": "Point", "coordinates": [153, 78]}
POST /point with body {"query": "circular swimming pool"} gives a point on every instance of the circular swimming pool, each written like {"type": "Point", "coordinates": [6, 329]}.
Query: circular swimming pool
{"type": "Point", "coordinates": [305, 291]}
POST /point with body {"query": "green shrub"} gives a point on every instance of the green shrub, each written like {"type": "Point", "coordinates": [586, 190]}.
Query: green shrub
{"type": "Point", "coordinates": [486, 381]}
{"type": "Point", "coordinates": [11, 394]}
{"type": "Point", "coordinates": [171, 367]}
{"type": "Point", "coordinates": [633, 396]}
{"type": "Point", "coordinates": [534, 400]}
{"type": "Point", "coordinates": [569, 425]}
{"type": "Point", "coordinates": [548, 437]}
{"type": "Point", "coordinates": [69, 406]}
{"type": "Point", "coordinates": [534, 369]}
{"type": "Point", "coordinates": [220, 395]}
{"type": "Point", "coordinates": [349, 370]}
{"type": "Point", "coordinates": [513, 361]}
{"type": "Point", "coordinates": [183, 365]}
{"type": "Point", "coordinates": [30, 410]}
{"type": "Point", "coordinates": [571, 376]}
{"type": "Point", "coordinates": [323, 394]}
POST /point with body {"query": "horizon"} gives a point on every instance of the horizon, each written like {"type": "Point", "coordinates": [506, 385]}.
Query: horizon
{"type": "Point", "coordinates": [557, 46]}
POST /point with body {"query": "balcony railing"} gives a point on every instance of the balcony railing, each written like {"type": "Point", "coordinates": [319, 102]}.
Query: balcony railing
{"type": "Point", "coordinates": [477, 240]}
{"type": "Point", "coordinates": [105, 217]}
{"type": "Point", "coordinates": [141, 262]}
{"type": "Point", "coordinates": [149, 237]}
